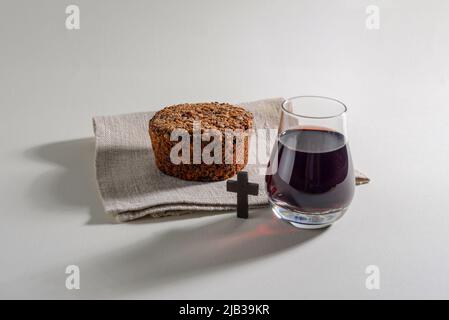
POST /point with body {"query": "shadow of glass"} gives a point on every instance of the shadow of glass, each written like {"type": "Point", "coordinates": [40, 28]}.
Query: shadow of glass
{"type": "Point", "coordinates": [183, 253]}
{"type": "Point", "coordinates": [177, 255]}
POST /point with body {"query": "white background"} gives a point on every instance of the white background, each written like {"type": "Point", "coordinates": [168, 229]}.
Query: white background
{"type": "Point", "coordinates": [142, 55]}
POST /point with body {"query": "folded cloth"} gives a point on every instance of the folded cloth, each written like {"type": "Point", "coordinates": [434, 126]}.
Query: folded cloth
{"type": "Point", "coordinates": [131, 186]}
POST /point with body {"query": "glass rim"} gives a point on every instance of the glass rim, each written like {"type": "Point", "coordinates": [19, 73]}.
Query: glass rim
{"type": "Point", "coordinates": [290, 99]}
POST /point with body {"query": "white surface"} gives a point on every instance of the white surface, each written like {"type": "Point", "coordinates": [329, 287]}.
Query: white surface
{"type": "Point", "coordinates": [142, 55]}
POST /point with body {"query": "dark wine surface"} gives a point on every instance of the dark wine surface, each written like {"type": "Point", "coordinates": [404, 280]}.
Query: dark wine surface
{"type": "Point", "coordinates": [314, 171]}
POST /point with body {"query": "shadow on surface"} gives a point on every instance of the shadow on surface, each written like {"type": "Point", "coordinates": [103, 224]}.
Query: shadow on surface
{"type": "Point", "coordinates": [183, 253]}
{"type": "Point", "coordinates": [171, 257]}
{"type": "Point", "coordinates": [72, 183]}
{"type": "Point", "coordinates": [134, 173]}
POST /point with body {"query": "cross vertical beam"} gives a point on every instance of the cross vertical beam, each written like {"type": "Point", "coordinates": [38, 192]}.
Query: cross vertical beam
{"type": "Point", "coordinates": [243, 188]}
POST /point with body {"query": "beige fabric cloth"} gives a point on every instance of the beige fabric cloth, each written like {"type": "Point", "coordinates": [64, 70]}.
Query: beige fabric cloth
{"type": "Point", "coordinates": [131, 186]}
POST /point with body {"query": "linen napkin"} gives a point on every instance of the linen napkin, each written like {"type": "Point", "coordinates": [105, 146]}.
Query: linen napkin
{"type": "Point", "coordinates": [131, 186]}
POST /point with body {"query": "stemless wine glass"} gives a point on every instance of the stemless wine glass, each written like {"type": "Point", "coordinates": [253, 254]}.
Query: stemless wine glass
{"type": "Point", "coordinates": [310, 178]}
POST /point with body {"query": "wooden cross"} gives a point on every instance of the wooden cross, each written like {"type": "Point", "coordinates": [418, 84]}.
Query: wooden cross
{"type": "Point", "coordinates": [243, 188]}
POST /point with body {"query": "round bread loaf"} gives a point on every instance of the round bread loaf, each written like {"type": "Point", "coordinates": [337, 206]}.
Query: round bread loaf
{"type": "Point", "coordinates": [211, 116]}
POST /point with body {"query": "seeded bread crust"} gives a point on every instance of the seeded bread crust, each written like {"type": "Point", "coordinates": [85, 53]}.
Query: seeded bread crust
{"type": "Point", "coordinates": [212, 115]}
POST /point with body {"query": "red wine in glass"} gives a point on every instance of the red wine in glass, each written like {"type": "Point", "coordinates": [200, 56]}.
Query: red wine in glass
{"type": "Point", "coordinates": [314, 172]}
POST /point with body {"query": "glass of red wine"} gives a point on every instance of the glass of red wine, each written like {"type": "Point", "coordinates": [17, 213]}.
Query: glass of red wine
{"type": "Point", "coordinates": [310, 177]}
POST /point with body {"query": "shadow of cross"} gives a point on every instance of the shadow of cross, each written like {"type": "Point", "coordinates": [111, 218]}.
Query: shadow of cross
{"type": "Point", "coordinates": [243, 188]}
